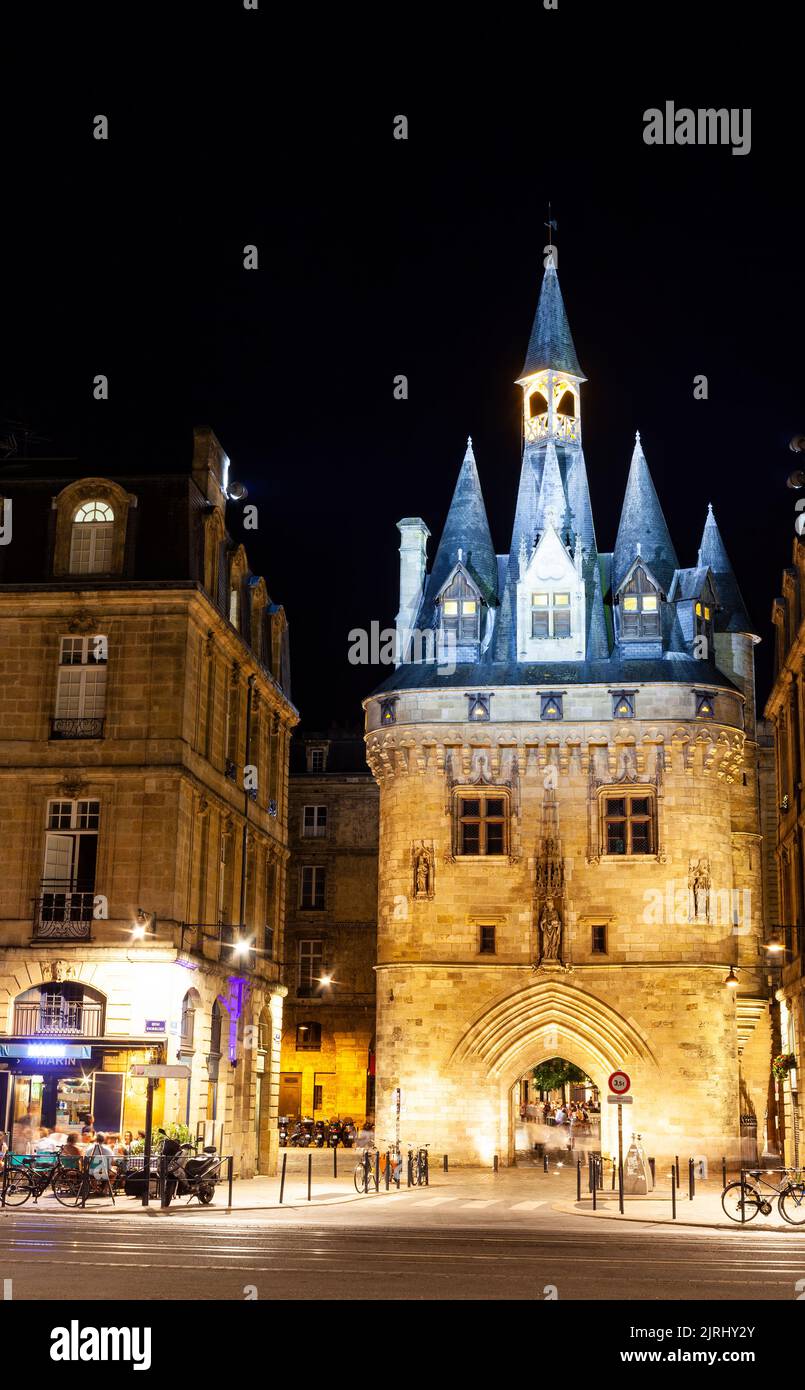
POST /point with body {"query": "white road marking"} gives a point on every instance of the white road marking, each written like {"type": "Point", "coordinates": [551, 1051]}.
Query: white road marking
{"type": "Point", "coordinates": [479, 1205]}
{"type": "Point", "coordinates": [437, 1201]}
{"type": "Point", "coordinates": [526, 1206]}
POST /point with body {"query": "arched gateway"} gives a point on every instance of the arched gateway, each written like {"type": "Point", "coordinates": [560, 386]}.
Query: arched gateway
{"type": "Point", "coordinates": [569, 797]}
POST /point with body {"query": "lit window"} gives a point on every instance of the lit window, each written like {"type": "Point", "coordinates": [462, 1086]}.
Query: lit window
{"type": "Point", "coordinates": [478, 707]}
{"type": "Point", "coordinates": [698, 610]}
{"type": "Point", "coordinates": [629, 824]}
{"type": "Point", "coordinates": [482, 824]}
{"type": "Point", "coordinates": [550, 615]}
{"type": "Point", "coordinates": [92, 539]}
{"type": "Point", "coordinates": [388, 711]}
{"type": "Point", "coordinates": [308, 1037]}
{"type": "Point", "coordinates": [460, 610]}
{"type": "Point", "coordinates": [623, 704]}
{"type": "Point", "coordinates": [640, 608]}
{"type": "Point", "coordinates": [550, 706]}
{"type": "Point", "coordinates": [705, 705]}
{"type": "Point", "coordinates": [450, 608]}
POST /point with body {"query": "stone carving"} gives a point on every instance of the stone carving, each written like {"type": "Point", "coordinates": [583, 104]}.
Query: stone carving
{"type": "Point", "coordinates": [549, 882]}
{"type": "Point", "coordinates": [73, 785]}
{"type": "Point", "coordinates": [424, 860]}
{"type": "Point", "coordinates": [699, 884]}
{"type": "Point", "coordinates": [58, 970]}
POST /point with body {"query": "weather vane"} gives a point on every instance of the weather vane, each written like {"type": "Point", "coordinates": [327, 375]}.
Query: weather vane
{"type": "Point", "coordinates": [551, 225]}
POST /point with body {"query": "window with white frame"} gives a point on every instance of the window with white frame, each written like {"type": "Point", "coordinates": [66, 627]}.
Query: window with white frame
{"type": "Point", "coordinates": [314, 822]}
{"type": "Point", "coordinates": [71, 847]}
{"type": "Point", "coordinates": [640, 607]}
{"type": "Point", "coordinates": [313, 881]}
{"type": "Point", "coordinates": [92, 539]}
{"type": "Point", "coordinates": [317, 758]}
{"type": "Point", "coordinates": [550, 613]}
{"type": "Point", "coordinates": [310, 966]}
{"type": "Point", "coordinates": [461, 610]}
{"type": "Point", "coordinates": [81, 686]}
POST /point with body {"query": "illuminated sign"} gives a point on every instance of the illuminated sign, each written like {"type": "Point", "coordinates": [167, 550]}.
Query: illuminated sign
{"type": "Point", "coordinates": [47, 1051]}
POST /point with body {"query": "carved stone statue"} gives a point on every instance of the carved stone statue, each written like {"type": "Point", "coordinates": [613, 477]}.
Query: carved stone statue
{"type": "Point", "coordinates": [423, 872]}
{"type": "Point", "coordinates": [699, 884]}
{"type": "Point", "coordinates": [551, 928]}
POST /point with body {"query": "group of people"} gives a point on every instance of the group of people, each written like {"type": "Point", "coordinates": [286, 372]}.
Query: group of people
{"type": "Point", "coordinates": [577, 1115]}
{"type": "Point", "coordinates": [105, 1150]}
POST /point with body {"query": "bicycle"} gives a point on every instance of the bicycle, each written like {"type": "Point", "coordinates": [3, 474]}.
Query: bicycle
{"type": "Point", "coordinates": [365, 1176]}
{"type": "Point", "coordinates": [743, 1200]}
{"type": "Point", "coordinates": [418, 1175]}
{"type": "Point", "coordinates": [30, 1175]}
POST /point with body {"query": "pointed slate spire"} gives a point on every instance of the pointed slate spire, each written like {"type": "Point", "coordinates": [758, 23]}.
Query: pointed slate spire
{"type": "Point", "coordinates": [552, 502]}
{"type": "Point", "coordinates": [643, 530]}
{"type": "Point", "coordinates": [467, 529]}
{"type": "Point", "coordinates": [551, 342]}
{"type": "Point", "coordinates": [731, 616]}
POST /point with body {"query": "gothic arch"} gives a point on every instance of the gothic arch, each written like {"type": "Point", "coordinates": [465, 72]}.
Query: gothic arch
{"type": "Point", "coordinates": [508, 1035]}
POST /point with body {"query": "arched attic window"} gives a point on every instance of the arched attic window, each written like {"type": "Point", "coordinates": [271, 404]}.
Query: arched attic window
{"type": "Point", "coordinates": [640, 607]}
{"type": "Point", "coordinates": [461, 610]}
{"type": "Point", "coordinates": [92, 538]}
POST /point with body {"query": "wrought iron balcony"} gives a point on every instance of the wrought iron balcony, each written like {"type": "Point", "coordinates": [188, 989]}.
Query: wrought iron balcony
{"type": "Point", "coordinates": [76, 728]}
{"type": "Point", "coordinates": [58, 1017]}
{"type": "Point", "coordinates": [64, 911]}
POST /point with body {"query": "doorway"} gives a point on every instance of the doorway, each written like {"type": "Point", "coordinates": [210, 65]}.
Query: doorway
{"type": "Point", "coordinates": [291, 1094]}
{"type": "Point", "coordinates": [556, 1110]}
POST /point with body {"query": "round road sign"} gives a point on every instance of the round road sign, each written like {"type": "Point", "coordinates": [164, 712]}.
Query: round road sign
{"type": "Point", "coordinates": [619, 1083]}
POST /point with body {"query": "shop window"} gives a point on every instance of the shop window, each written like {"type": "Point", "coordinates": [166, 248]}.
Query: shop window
{"type": "Point", "coordinates": [482, 823]}
{"type": "Point", "coordinates": [313, 883]}
{"type": "Point", "coordinates": [308, 1037]}
{"type": "Point", "coordinates": [629, 827]}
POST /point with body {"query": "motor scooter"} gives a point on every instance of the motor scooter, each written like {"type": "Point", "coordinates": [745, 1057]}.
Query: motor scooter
{"type": "Point", "coordinates": [189, 1173]}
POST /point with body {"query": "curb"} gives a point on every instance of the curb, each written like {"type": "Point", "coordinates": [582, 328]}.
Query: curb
{"type": "Point", "coordinates": [195, 1209]}
{"type": "Point", "coordinates": [572, 1209]}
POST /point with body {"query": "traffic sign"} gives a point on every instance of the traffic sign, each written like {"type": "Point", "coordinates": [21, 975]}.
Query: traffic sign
{"type": "Point", "coordinates": [619, 1083]}
{"type": "Point", "coordinates": [620, 1100]}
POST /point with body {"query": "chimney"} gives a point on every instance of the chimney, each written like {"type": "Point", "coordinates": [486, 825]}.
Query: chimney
{"type": "Point", "coordinates": [413, 557]}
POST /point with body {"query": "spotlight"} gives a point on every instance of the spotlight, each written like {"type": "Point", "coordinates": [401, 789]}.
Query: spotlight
{"type": "Point", "coordinates": [242, 946]}
{"type": "Point", "coordinates": [325, 980]}
{"type": "Point", "coordinates": [236, 492]}
{"type": "Point", "coordinates": [137, 931]}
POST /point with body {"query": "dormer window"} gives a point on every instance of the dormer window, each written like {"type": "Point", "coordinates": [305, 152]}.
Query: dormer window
{"type": "Point", "coordinates": [623, 704]}
{"type": "Point", "coordinates": [550, 614]}
{"type": "Point", "coordinates": [640, 607]}
{"type": "Point", "coordinates": [703, 615]}
{"type": "Point", "coordinates": [550, 706]}
{"type": "Point", "coordinates": [460, 610]}
{"type": "Point", "coordinates": [92, 539]}
{"type": "Point", "coordinates": [705, 705]}
{"type": "Point", "coordinates": [388, 711]}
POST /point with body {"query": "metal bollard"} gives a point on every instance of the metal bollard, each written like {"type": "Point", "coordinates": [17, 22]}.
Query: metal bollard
{"type": "Point", "coordinates": [282, 1175]}
{"type": "Point", "coordinates": [653, 1166]}
{"type": "Point", "coordinates": [231, 1171]}
{"type": "Point", "coordinates": [676, 1165]}
{"type": "Point", "coordinates": [410, 1167]}
{"type": "Point", "coordinates": [673, 1193]}
{"type": "Point", "coordinates": [691, 1180]}
{"type": "Point", "coordinates": [723, 1172]}
{"type": "Point", "coordinates": [545, 1160]}
{"type": "Point", "coordinates": [620, 1187]}
{"type": "Point", "coordinates": [495, 1163]}
{"type": "Point", "coordinates": [377, 1171]}
{"type": "Point", "coordinates": [426, 1167]}
{"type": "Point", "coordinates": [578, 1179]}
{"type": "Point", "coordinates": [444, 1162]}
{"type": "Point", "coordinates": [613, 1175]}
{"type": "Point", "coordinates": [335, 1160]}
{"type": "Point", "coordinates": [594, 1189]}
{"type": "Point", "coordinates": [309, 1175]}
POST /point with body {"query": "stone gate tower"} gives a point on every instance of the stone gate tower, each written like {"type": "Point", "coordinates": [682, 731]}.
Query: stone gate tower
{"type": "Point", "coordinates": [570, 856]}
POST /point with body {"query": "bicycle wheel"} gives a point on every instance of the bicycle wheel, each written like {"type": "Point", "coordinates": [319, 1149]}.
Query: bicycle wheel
{"type": "Point", "coordinates": [791, 1204]}
{"type": "Point", "coordinates": [360, 1178]}
{"type": "Point", "coordinates": [67, 1188]}
{"type": "Point", "coordinates": [731, 1201]}
{"type": "Point", "coordinates": [19, 1187]}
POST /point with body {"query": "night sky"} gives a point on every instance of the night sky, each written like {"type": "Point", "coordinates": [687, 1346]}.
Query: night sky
{"type": "Point", "coordinates": [423, 257]}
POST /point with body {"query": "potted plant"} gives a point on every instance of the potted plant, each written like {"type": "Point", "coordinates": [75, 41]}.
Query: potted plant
{"type": "Point", "coordinates": [782, 1064]}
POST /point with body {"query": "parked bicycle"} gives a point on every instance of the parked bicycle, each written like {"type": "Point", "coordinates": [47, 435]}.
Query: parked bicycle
{"type": "Point", "coordinates": [743, 1200]}
{"type": "Point", "coordinates": [27, 1176]}
{"type": "Point", "coordinates": [365, 1175]}
{"type": "Point", "coordinates": [418, 1166]}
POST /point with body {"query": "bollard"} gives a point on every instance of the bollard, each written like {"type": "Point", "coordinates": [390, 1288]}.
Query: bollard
{"type": "Point", "coordinates": [495, 1163]}
{"type": "Point", "coordinates": [388, 1168]}
{"type": "Point", "coordinates": [282, 1175]}
{"type": "Point", "coordinates": [673, 1193]}
{"type": "Point", "coordinates": [691, 1180]}
{"type": "Point", "coordinates": [613, 1175]}
{"type": "Point", "coordinates": [594, 1190]}
{"type": "Point", "coordinates": [653, 1166]}
{"type": "Point", "coordinates": [723, 1172]}
{"type": "Point", "coordinates": [545, 1160]}
{"type": "Point", "coordinates": [426, 1166]}
{"type": "Point", "coordinates": [410, 1166]}
{"type": "Point", "coordinates": [309, 1174]}
{"type": "Point", "coordinates": [578, 1179]}
{"type": "Point", "coordinates": [620, 1186]}
{"type": "Point", "coordinates": [377, 1171]}
{"type": "Point", "coordinates": [444, 1163]}
{"type": "Point", "coordinates": [676, 1165]}
{"type": "Point", "coordinates": [231, 1172]}
{"type": "Point", "coordinates": [335, 1161]}
{"type": "Point", "coordinates": [366, 1170]}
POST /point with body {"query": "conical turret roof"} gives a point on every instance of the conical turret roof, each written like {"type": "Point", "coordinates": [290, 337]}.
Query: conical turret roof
{"type": "Point", "coordinates": [551, 342]}
{"type": "Point", "coordinates": [643, 530]}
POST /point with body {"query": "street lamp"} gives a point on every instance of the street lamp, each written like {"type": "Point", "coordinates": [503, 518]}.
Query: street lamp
{"type": "Point", "coordinates": [732, 981]}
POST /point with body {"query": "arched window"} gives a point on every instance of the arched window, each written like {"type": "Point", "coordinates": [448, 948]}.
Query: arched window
{"type": "Point", "coordinates": [537, 404]}
{"type": "Point", "coordinates": [215, 1030]}
{"type": "Point", "coordinates": [234, 607]}
{"type": "Point", "coordinates": [567, 405]}
{"type": "Point", "coordinates": [92, 538]}
{"type": "Point", "coordinates": [188, 1021]}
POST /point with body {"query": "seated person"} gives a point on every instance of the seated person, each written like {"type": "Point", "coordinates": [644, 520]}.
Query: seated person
{"type": "Point", "coordinates": [71, 1149]}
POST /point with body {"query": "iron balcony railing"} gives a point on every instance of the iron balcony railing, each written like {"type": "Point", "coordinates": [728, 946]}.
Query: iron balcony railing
{"type": "Point", "coordinates": [64, 911]}
{"type": "Point", "coordinates": [58, 1017]}
{"type": "Point", "coordinates": [76, 728]}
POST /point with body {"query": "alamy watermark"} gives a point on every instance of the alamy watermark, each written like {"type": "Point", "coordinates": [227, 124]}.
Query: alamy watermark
{"type": "Point", "coordinates": [704, 126]}
{"type": "Point", "coordinates": [389, 646]}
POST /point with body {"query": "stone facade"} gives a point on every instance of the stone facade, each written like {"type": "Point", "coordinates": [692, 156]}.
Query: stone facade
{"type": "Point", "coordinates": [328, 1041]}
{"type": "Point", "coordinates": [785, 711]}
{"type": "Point", "coordinates": [142, 898]}
{"type": "Point", "coordinates": [571, 852]}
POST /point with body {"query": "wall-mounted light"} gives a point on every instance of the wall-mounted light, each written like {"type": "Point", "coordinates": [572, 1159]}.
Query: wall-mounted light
{"type": "Point", "coordinates": [732, 980]}
{"type": "Point", "coordinates": [325, 980]}
{"type": "Point", "coordinates": [242, 946]}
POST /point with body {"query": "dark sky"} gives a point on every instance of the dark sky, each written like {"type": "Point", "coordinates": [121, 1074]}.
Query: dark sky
{"type": "Point", "coordinates": [423, 257]}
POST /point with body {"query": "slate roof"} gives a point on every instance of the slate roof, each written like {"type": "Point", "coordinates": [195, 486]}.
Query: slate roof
{"type": "Point", "coordinates": [731, 615]}
{"type": "Point", "coordinates": [466, 529]}
{"type": "Point", "coordinates": [556, 675]}
{"type": "Point", "coordinates": [551, 342]}
{"type": "Point", "coordinates": [643, 530]}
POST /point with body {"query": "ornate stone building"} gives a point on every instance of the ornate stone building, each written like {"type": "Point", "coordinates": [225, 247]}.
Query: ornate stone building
{"type": "Point", "coordinates": [331, 935]}
{"type": "Point", "coordinates": [145, 721]}
{"type": "Point", "coordinates": [786, 712]}
{"type": "Point", "coordinates": [570, 845]}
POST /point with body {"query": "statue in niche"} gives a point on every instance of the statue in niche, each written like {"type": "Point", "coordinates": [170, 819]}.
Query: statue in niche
{"type": "Point", "coordinates": [551, 928]}
{"type": "Point", "coordinates": [423, 871]}
{"type": "Point", "coordinates": [699, 885]}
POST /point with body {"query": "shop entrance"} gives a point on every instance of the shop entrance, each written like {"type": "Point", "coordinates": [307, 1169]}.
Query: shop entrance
{"type": "Point", "coordinates": [556, 1109]}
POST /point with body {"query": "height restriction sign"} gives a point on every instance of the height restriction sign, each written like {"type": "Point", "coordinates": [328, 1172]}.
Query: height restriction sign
{"type": "Point", "coordinates": [619, 1083]}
